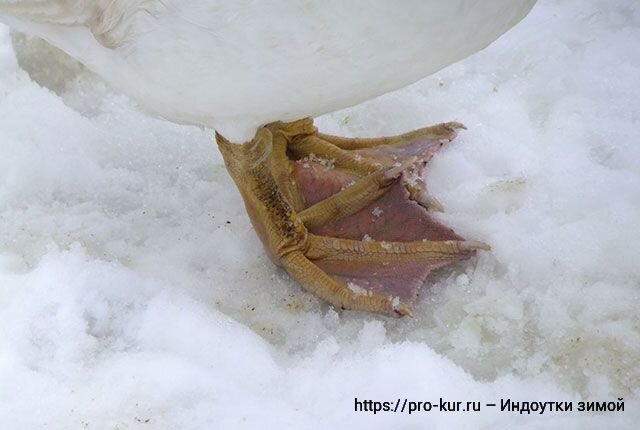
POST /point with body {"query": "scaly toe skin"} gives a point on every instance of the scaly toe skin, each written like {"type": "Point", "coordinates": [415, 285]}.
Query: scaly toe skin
{"type": "Point", "coordinates": [395, 270]}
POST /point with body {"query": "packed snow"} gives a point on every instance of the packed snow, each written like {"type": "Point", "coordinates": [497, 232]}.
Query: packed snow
{"type": "Point", "coordinates": [134, 293]}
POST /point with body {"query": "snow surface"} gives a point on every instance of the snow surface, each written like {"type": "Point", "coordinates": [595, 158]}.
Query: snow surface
{"type": "Point", "coordinates": [135, 295]}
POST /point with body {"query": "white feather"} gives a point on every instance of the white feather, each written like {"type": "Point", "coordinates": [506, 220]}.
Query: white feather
{"type": "Point", "coordinates": [231, 66]}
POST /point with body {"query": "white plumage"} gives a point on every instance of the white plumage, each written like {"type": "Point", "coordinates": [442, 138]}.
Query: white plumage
{"type": "Point", "coordinates": [235, 65]}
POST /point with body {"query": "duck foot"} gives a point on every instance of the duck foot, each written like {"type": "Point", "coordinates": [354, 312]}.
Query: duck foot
{"type": "Point", "coordinates": [348, 218]}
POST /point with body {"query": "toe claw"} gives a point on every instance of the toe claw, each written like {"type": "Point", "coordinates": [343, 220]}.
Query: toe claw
{"type": "Point", "coordinates": [454, 125]}
{"type": "Point", "coordinates": [402, 310]}
{"type": "Point", "coordinates": [429, 202]}
{"type": "Point", "coordinates": [473, 245]}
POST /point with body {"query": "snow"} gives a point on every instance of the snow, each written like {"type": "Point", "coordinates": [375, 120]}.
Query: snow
{"type": "Point", "coordinates": [135, 295]}
{"type": "Point", "coordinates": [358, 289]}
{"type": "Point", "coordinates": [327, 163]}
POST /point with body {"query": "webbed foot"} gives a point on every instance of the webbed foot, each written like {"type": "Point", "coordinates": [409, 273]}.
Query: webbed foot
{"type": "Point", "coordinates": [348, 218]}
